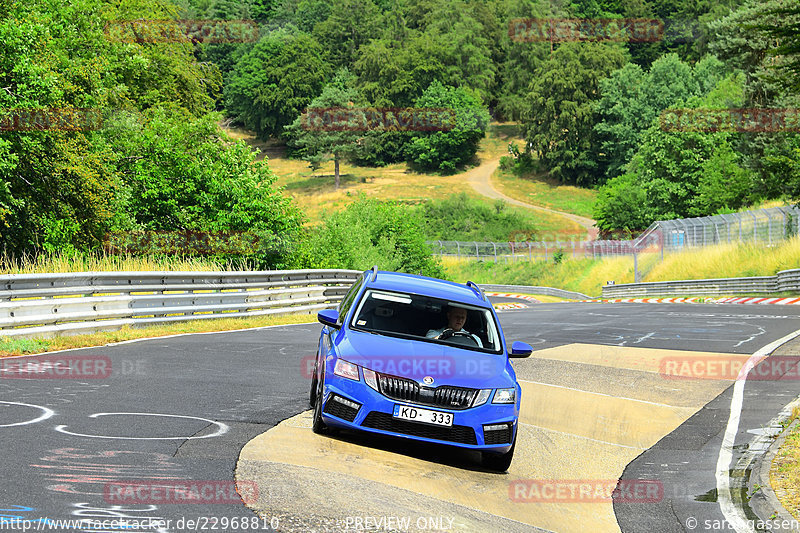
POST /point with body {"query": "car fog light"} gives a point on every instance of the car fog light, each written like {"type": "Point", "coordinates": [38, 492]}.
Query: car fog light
{"type": "Point", "coordinates": [348, 403]}
{"type": "Point", "coordinates": [495, 427]}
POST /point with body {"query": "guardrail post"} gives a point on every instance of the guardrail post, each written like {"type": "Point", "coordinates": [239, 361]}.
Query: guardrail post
{"type": "Point", "coordinates": [495, 254]}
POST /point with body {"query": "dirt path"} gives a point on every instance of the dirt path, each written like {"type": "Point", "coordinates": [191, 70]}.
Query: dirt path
{"type": "Point", "coordinates": [480, 180]}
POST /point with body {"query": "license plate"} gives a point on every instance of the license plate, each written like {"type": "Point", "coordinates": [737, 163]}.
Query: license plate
{"type": "Point", "coordinates": [427, 416]}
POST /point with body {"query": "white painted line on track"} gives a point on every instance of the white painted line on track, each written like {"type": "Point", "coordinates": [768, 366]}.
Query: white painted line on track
{"type": "Point", "coordinates": [732, 513]}
{"type": "Point", "coordinates": [46, 413]}
{"type": "Point", "coordinates": [223, 428]}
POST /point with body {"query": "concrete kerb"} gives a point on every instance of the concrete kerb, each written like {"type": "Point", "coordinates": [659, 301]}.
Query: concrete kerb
{"type": "Point", "coordinates": [764, 502]}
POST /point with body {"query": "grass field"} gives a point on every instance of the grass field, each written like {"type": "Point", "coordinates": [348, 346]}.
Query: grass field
{"type": "Point", "coordinates": [545, 192]}
{"type": "Point", "coordinates": [784, 473]}
{"type": "Point", "coordinates": [85, 262]}
{"type": "Point", "coordinates": [315, 194]}
{"type": "Point", "coordinates": [588, 276]}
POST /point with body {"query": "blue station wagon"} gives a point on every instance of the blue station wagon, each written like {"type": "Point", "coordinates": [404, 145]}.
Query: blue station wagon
{"type": "Point", "coordinates": [418, 358]}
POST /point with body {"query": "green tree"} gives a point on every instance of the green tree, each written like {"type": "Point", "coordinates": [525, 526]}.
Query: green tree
{"type": "Point", "coordinates": [272, 84]}
{"type": "Point", "coordinates": [60, 190]}
{"type": "Point", "coordinates": [183, 173]}
{"type": "Point", "coordinates": [621, 205]}
{"type": "Point", "coordinates": [446, 150]}
{"type": "Point", "coordinates": [317, 142]}
{"type": "Point", "coordinates": [351, 24]}
{"type": "Point", "coordinates": [560, 110]}
{"type": "Point", "coordinates": [632, 99]}
{"type": "Point", "coordinates": [518, 60]}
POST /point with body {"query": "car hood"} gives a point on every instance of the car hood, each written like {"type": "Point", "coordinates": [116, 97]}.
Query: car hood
{"type": "Point", "coordinates": [447, 365]}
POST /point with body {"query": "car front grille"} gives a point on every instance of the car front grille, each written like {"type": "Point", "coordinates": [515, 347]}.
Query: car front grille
{"type": "Point", "coordinates": [408, 390]}
{"type": "Point", "coordinates": [386, 422]}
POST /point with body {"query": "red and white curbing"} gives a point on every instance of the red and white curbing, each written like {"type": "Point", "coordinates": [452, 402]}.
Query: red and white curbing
{"type": "Point", "coordinates": [701, 300]}
{"type": "Point", "coordinates": [504, 306]}
{"type": "Point", "coordinates": [513, 295]}
{"type": "Point", "coordinates": [689, 300]}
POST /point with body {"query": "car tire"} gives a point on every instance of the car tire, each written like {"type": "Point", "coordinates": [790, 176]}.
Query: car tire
{"type": "Point", "coordinates": [499, 462]}
{"type": "Point", "coordinates": [317, 425]}
{"type": "Point", "coordinates": [312, 397]}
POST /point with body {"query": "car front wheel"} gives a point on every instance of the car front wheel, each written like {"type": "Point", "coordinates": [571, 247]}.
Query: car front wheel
{"type": "Point", "coordinates": [317, 425]}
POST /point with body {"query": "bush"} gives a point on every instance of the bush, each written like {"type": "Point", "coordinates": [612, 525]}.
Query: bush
{"type": "Point", "coordinates": [370, 232]}
{"type": "Point", "coordinates": [461, 218]}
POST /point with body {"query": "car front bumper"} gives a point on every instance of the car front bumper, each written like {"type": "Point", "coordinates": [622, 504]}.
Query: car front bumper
{"type": "Point", "coordinates": [350, 404]}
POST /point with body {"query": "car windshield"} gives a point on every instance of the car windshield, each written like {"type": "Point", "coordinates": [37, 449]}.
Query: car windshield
{"type": "Point", "coordinates": [426, 318]}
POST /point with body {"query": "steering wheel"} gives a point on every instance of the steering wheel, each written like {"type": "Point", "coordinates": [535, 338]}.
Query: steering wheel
{"type": "Point", "coordinates": [449, 333]}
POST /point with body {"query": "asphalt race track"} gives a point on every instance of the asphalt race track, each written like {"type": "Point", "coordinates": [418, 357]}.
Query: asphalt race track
{"type": "Point", "coordinates": [202, 410]}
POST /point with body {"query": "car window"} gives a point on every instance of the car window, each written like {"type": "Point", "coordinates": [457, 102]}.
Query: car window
{"type": "Point", "coordinates": [347, 301]}
{"type": "Point", "coordinates": [411, 315]}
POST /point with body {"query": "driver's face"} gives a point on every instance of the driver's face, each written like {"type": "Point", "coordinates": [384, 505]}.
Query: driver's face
{"type": "Point", "coordinates": [456, 318]}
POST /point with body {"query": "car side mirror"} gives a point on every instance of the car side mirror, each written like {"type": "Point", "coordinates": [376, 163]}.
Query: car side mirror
{"type": "Point", "coordinates": [329, 317]}
{"type": "Point", "coordinates": [520, 349]}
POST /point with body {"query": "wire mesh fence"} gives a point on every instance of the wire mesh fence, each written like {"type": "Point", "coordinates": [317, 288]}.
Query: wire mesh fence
{"type": "Point", "coordinates": [767, 226]}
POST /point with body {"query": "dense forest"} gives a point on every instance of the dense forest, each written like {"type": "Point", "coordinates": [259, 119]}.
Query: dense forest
{"type": "Point", "coordinates": [593, 110]}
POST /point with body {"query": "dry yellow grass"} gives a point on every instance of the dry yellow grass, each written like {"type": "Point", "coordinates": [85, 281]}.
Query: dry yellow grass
{"type": "Point", "coordinates": [728, 260]}
{"type": "Point", "coordinates": [314, 191]}
{"type": "Point", "coordinates": [545, 192]}
{"type": "Point", "coordinates": [784, 473]}
{"type": "Point", "coordinates": [81, 262]}
{"type": "Point", "coordinates": [588, 276]}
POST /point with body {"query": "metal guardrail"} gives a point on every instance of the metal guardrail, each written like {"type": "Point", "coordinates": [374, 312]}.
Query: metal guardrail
{"type": "Point", "coordinates": [42, 305]}
{"type": "Point", "coordinates": [547, 291]}
{"type": "Point", "coordinates": [785, 281]}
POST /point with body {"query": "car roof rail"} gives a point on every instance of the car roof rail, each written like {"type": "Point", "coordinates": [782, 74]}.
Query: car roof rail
{"type": "Point", "coordinates": [374, 270]}
{"type": "Point", "coordinates": [477, 290]}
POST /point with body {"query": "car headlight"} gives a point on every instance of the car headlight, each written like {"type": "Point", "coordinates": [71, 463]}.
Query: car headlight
{"type": "Point", "coordinates": [481, 397]}
{"type": "Point", "coordinates": [346, 369]}
{"type": "Point", "coordinates": [505, 396]}
{"type": "Point", "coordinates": [370, 378]}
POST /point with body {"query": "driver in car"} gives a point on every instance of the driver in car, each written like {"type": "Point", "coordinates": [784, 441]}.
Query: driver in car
{"type": "Point", "coordinates": [456, 318]}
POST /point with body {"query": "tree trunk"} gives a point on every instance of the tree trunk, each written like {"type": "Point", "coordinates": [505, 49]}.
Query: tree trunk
{"type": "Point", "coordinates": [336, 171]}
